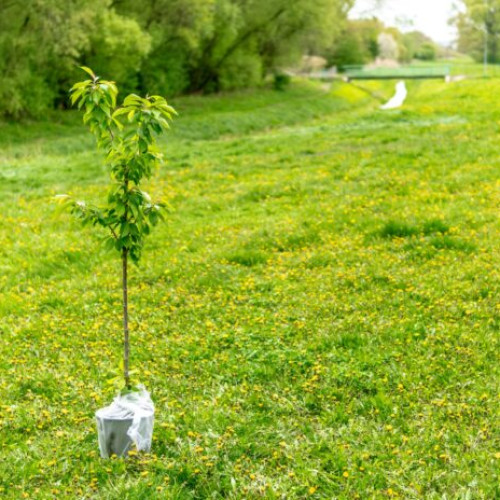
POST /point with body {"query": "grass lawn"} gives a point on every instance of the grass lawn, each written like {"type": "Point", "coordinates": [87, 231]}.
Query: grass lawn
{"type": "Point", "coordinates": [319, 318]}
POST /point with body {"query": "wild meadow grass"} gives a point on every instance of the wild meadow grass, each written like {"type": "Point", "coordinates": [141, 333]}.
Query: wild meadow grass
{"type": "Point", "coordinates": [319, 317]}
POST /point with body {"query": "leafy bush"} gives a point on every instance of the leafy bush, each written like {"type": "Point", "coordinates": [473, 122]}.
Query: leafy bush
{"type": "Point", "coordinates": [281, 81]}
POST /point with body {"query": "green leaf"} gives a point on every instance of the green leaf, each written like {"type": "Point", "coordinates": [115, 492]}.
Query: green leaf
{"type": "Point", "coordinates": [117, 123]}
{"type": "Point", "coordinates": [132, 100]}
{"type": "Point", "coordinates": [120, 111]}
{"type": "Point", "coordinates": [125, 229]}
{"type": "Point", "coordinates": [76, 95]}
{"type": "Point", "coordinates": [80, 85]}
{"type": "Point", "coordinates": [145, 196]}
{"type": "Point", "coordinates": [88, 71]}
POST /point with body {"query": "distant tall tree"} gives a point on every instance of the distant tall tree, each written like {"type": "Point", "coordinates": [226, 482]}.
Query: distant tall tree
{"type": "Point", "coordinates": [387, 46]}
{"type": "Point", "coordinates": [479, 28]}
{"type": "Point", "coordinates": [357, 43]}
{"type": "Point", "coordinates": [402, 52]}
{"type": "Point", "coordinates": [348, 49]}
{"type": "Point", "coordinates": [419, 46]}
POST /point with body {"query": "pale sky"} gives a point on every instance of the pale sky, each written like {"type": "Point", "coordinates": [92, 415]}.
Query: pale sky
{"type": "Point", "coordinates": [428, 16]}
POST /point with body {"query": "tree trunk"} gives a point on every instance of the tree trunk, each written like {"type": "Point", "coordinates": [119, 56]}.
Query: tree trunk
{"type": "Point", "coordinates": [213, 71]}
{"type": "Point", "coordinates": [126, 345]}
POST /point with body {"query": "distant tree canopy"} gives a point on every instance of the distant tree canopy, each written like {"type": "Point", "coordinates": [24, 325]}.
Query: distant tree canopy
{"type": "Point", "coordinates": [419, 46]}
{"type": "Point", "coordinates": [357, 43]}
{"type": "Point", "coordinates": [164, 46]}
{"type": "Point", "coordinates": [388, 47]}
{"type": "Point", "coordinates": [364, 40]}
{"type": "Point", "coordinates": [479, 18]}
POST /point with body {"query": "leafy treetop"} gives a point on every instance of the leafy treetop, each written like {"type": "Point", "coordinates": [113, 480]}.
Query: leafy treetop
{"type": "Point", "coordinates": [127, 135]}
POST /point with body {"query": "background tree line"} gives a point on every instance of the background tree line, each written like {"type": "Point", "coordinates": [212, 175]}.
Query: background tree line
{"type": "Point", "coordinates": [478, 23]}
{"type": "Point", "coordinates": [164, 46]}
{"type": "Point", "coordinates": [363, 40]}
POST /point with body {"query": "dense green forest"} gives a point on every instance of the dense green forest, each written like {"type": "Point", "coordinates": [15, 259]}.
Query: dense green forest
{"type": "Point", "coordinates": [172, 47]}
{"type": "Point", "coordinates": [164, 46]}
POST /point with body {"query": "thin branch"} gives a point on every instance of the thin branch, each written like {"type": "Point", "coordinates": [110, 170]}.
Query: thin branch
{"type": "Point", "coordinates": [113, 232]}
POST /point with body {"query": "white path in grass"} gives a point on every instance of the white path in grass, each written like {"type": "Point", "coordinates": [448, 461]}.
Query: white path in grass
{"type": "Point", "coordinates": [399, 97]}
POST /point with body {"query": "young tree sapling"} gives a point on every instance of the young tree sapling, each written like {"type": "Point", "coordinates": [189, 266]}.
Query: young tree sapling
{"type": "Point", "coordinates": [127, 136]}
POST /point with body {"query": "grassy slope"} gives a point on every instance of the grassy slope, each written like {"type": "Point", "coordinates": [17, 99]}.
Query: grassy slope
{"type": "Point", "coordinates": [319, 317]}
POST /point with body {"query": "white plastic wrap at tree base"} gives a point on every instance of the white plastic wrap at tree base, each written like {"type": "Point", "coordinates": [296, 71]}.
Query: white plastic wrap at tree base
{"type": "Point", "coordinates": [128, 420]}
{"type": "Point", "coordinates": [399, 97]}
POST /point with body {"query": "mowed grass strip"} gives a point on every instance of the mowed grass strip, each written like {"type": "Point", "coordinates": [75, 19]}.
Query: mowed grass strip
{"type": "Point", "coordinates": [319, 317]}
